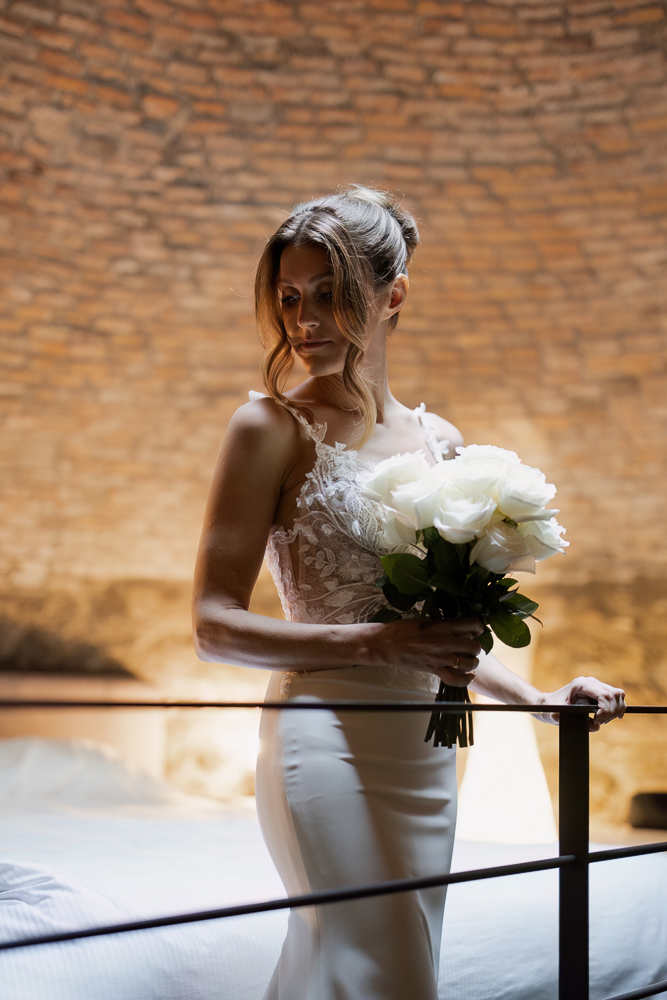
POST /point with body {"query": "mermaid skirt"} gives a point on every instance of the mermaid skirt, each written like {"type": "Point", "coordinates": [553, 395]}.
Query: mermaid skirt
{"type": "Point", "coordinates": [345, 799]}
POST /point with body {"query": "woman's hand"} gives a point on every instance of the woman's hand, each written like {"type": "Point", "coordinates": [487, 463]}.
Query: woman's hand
{"type": "Point", "coordinates": [447, 649]}
{"type": "Point", "coordinates": [610, 701]}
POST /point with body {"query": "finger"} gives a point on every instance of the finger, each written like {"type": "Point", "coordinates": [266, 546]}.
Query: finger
{"type": "Point", "coordinates": [463, 661]}
{"type": "Point", "coordinates": [466, 626]}
{"type": "Point", "coordinates": [464, 668]}
{"type": "Point", "coordinates": [611, 705]}
{"type": "Point", "coordinates": [448, 676]}
{"type": "Point", "coordinates": [467, 648]}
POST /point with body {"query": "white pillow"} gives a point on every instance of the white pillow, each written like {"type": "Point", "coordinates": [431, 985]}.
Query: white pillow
{"type": "Point", "coordinates": [37, 899]}
{"type": "Point", "coordinates": [75, 772]}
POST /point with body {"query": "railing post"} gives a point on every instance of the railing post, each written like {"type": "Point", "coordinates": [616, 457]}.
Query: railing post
{"type": "Point", "coordinates": [573, 796]}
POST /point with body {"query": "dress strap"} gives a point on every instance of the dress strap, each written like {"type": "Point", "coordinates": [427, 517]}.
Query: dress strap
{"type": "Point", "coordinates": [438, 448]}
{"type": "Point", "coordinates": [315, 431]}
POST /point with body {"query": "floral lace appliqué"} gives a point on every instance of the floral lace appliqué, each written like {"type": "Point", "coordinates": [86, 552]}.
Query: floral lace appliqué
{"type": "Point", "coordinates": [325, 566]}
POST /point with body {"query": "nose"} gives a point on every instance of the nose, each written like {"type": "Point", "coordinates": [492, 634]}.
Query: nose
{"type": "Point", "coordinates": [307, 316]}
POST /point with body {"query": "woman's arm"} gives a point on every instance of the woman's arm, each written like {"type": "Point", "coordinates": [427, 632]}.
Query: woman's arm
{"type": "Point", "coordinates": [496, 681]}
{"type": "Point", "coordinates": [255, 467]}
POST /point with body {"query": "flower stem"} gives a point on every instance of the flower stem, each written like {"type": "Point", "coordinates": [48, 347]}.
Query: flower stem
{"type": "Point", "coordinates": [449, 728]}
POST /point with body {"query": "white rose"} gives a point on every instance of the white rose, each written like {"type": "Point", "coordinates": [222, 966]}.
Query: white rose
{"type": "Point", "coordinates": [416, 503]}
{"type": "Point", "coordinates": [396, 534]}
{"type": "Point", "coordinates": [487, 451]}
{"type": "Point", "coordinates": [543, 537]}
{"type": "Point", "coordinates": [502, 549]}
{"type": "Point", "coordinates": [461, 518]}
{"type": "Point", "coordinates": [476, 476]}
{"type": "Point", "coordinates": [391, 473]}
{"type": "Point", "coordinates": [523, 493]}
{"type": "Point", "coordinates": [479, 468]}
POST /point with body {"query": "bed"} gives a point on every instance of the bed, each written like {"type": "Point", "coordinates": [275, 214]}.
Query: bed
{"type": "Point", "coordinates": [87, 839]}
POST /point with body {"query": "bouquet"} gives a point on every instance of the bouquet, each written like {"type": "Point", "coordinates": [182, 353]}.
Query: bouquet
{"type": "Point", "coordinates": [456, 530]}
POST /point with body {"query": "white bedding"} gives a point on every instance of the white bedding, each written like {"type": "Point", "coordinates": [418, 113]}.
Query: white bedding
{"type": "Point", "coordinates": [83, 843]}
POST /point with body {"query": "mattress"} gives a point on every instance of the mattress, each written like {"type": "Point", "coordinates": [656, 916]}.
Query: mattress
{"type": "Point", "coordinates": [86, 840]}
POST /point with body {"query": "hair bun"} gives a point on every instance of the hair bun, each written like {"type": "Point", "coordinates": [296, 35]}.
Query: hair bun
{"type": "Point", "coordinates": [391, 204]}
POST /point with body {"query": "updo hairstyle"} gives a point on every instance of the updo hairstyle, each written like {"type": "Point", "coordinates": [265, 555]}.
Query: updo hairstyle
{"type": "Point", "coordinates": [369, 238]}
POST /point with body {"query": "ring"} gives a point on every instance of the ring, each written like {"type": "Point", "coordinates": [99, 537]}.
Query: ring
{"type": "Point", "coordinates": [456, 662]}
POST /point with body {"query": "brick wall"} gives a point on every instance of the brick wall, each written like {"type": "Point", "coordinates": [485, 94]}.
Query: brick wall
{"type": "Point", "coordinates": [147, 147]}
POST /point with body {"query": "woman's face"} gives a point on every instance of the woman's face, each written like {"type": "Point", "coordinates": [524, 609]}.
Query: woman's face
{"type": "Point", "coordinates": [305, 292]}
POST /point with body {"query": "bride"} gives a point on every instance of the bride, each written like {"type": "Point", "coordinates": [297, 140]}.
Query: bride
{"type": "Point", "coordinates": [344, 798]}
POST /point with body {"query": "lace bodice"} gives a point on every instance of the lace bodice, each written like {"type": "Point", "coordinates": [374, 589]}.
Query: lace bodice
{"type": "Point", "coordinates": [325, 566]}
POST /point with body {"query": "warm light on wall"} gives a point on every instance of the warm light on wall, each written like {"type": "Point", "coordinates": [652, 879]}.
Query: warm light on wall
{"type": "Point", "coordinates": [504, 795]}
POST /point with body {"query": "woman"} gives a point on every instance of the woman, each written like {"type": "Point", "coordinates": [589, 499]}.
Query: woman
{"type": "Point", "coordinates": [343, 798]}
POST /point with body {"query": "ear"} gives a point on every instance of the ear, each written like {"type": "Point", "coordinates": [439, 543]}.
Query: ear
{"type": "Point", "coordinates": [399, 293]}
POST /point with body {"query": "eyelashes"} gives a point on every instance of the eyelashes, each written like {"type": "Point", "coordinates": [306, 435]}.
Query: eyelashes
{"type": "Point", "coordinates": [290, 300]}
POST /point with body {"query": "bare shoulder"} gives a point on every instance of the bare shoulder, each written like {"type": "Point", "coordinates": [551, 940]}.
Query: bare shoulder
{"type": "Point", "coordinates": [264, 422]}
{"type": "Point", "coordinates": [444, 431]}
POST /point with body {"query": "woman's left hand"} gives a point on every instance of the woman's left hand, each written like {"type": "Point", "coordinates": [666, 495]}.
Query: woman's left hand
{"type": "Point", "coordinates": [610, 701]}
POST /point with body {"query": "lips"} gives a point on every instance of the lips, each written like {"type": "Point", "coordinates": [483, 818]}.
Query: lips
{"type": "Point", "coordinates": [311, 345]}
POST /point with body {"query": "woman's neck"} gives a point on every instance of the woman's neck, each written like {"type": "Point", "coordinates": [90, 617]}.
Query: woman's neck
{"type": "Point", "coordinates": [330, 391]}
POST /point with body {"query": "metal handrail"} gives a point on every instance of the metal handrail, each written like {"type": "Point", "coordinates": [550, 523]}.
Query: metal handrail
{"type": "Point", "coordinates": [308, 899]}
{"type": "Point", "coordinates": [573, 860]}
{"type": "Point", "coordinates": [336, 704]}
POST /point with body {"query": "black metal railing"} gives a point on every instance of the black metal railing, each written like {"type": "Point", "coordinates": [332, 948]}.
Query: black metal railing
{"type": "Point", "coordinates": [573, 858]}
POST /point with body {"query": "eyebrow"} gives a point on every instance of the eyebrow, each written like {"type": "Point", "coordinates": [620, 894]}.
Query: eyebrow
{"type": "Point", "coordinates": [316, 277]}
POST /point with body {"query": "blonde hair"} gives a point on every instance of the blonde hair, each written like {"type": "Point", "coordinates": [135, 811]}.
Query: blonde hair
{"type": "Point", "coordinates": [369, 238]}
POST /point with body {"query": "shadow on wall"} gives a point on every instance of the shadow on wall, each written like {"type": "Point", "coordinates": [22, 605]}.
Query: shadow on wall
{"type": "Point", "coordinates": [26, 647]}
{"type": "Point", "coordinates": [82, 639]}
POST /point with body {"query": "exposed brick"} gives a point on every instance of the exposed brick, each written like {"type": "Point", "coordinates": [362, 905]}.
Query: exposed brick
{"type": "Point", "coordinates": [613, 39]}
{"type": "Point", "coordinates": [59, 61]}
{"type": "Point", "coordinates": [12, 27]}
{"type": "Point", "coordinates": [148, 148]}
{"type": "Point", "coordinates": [187, 72]}
{"type": "Point", "coordinates": [99, 53]}
{"type": "Point", "coordinates": [54, 39]}
{"type": "Point", "coordinates": [643, 15]}
{"type": "Point", "coordinates": [154, 8]}
{"type": "Point", "coordinates": [171, 33]}
{"type": "Point", "coordinates": [159, 107]}
{"type": "Point", "coordinates": [125, 19]}
{"type": "Point", "coordinates": [78, 26]}
{"type": "Point", "coordinates": [70, 84]}
{"type": "Point", "coordinates": [114, 96]}
{"type": "Point", "coordinates": [209, 108]}
{"type": "Point", "coordinates": [124, 40]}
{"type": "Point", "coordinates": [33, 13]}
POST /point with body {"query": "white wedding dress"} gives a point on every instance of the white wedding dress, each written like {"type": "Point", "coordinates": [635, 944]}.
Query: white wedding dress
{"type": "Point", "coordinates": [348, 798]}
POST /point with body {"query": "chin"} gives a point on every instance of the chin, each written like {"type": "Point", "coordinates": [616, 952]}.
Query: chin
{"type": "Point", "coordinates": [321, 367]}
{"type": "Point", "coordinates": [323, 371]}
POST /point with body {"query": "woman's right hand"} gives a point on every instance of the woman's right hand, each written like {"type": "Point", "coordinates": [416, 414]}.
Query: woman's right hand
{"type": "Point", "coordinates": [448, 649]}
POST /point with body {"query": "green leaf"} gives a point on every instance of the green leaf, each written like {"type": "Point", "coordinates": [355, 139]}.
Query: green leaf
{"type": "Point", "coordinates": [443, 581]}
{"type": "Point", "coordinates": [400, 601]}
{"type": "Point", "coordinates": [486, 639]}
{"type": "Point", "coordinates": [523, 605]}
{"type": "Point", "coordinates": [510, 629]}
{"type": "Point", "coordinates": [408, 573]}
{"type": "Point", "coordinates": [446, 557]}
{"type": "Point", "coordinates": [507, 582]}
{"type": "Point", "coordinates": [385, 615]}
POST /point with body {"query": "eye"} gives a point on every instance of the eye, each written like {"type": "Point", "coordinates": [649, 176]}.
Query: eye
{"type": "Point", "coordinates": [288, 300]}
{"type": "Point", "coordinates": [326, 296]}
